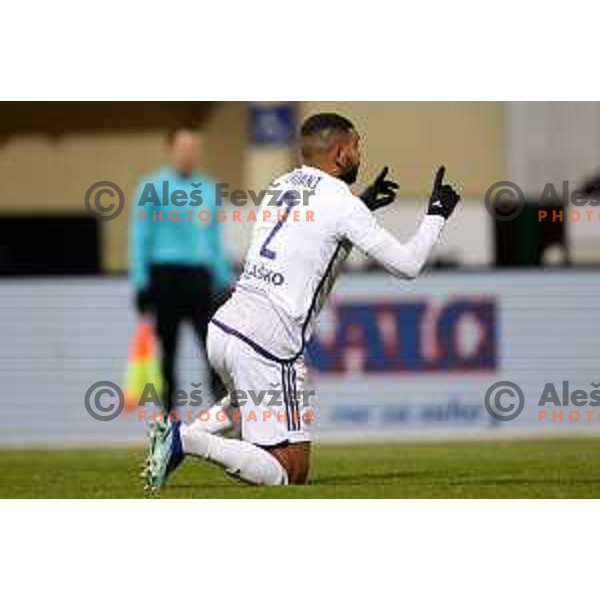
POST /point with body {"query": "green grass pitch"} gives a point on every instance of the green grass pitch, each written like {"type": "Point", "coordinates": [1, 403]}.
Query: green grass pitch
{"type": "Point", "coordinates": [547, 468]}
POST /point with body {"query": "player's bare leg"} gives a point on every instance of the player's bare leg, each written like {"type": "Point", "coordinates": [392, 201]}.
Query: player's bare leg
{"type": "Point", "coordinates": [295, 459]}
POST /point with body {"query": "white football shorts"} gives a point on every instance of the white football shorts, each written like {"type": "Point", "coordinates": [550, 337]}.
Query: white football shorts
{"type": "Point", "coordinates": [276, 405]}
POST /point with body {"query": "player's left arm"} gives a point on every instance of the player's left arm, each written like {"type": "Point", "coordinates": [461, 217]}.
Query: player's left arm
{"type": "Point", "coordinates": [382, 192]}
{"type": "Point", "coordinates": [404, 260]}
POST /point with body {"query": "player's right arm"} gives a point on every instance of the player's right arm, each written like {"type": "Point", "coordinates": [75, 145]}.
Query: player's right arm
{"type": "Point", "coordinates": [404, 260]}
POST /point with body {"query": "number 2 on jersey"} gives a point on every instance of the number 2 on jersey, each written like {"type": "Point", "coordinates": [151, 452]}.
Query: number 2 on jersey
{"type": "Point", "coordinates": [265, 251]}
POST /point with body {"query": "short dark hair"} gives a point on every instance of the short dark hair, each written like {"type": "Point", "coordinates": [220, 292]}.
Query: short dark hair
{"type": "Point", "coordinates": [317, 130]}
{"type": "Point", "coordinates": [322, 121]}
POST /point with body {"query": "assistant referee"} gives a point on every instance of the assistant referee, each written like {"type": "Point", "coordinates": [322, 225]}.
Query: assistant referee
{"type": "Point", "coordinates": [178, 266]}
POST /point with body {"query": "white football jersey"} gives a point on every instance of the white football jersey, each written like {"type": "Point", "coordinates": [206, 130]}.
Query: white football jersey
{"type": "Point", "coordinates": [306, 226]}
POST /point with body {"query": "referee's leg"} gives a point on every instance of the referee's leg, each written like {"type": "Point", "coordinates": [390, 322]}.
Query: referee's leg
{"type": "Point", "coordinates": [168, 318]}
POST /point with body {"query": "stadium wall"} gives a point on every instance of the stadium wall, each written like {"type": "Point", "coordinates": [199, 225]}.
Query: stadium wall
{"type": "Point", "coordinates": [415, 137]}
{"type": "Point", "coordinates": [48, 174]}
{"type": "Point", "coordinates": [45, 173]}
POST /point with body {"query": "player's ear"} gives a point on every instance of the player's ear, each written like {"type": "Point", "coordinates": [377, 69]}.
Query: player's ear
{"type": "Point", "coordinates": [340, 156]}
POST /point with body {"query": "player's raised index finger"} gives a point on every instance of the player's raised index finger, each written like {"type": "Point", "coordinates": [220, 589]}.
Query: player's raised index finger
{"type": "Point", "coordinates": [382, 175]}
{"type": "Point", "coordinates": [439, 177]}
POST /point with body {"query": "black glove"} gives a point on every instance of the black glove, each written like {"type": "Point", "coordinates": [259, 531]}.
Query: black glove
{"type": "Point", "coordinates": [381, 192]}
{"type": "Point", "coordinates": [444, 198]}
{"type": "Point", "coordinates": [144, 301]}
